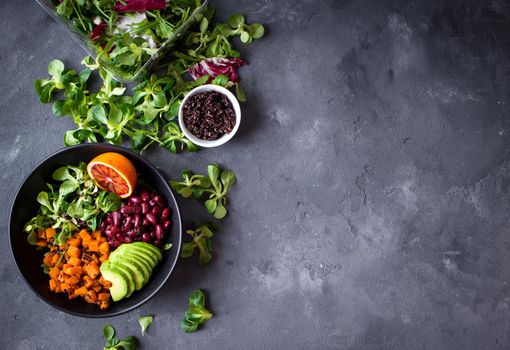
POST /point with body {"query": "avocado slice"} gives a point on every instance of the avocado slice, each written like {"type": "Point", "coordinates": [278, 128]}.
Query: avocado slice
{"type": "Point", "coordinates": [148, 246]}
{"type": "Point", "coordinates": [142, 263]}
{"type": "Point", "coordinates": [134, 267]}
{"type": "Point", "coordinates": [141, 250]}
{"type": "Point", "coordinates": [141, 257]}
{"type": "Point", "coordinates": [128, 275]}
{"type": "Point", "coordinates": [117, 278]}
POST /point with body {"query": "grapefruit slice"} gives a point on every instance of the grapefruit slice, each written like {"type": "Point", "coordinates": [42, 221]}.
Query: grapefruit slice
{"type": "Point", "coordinates": [114, 173]}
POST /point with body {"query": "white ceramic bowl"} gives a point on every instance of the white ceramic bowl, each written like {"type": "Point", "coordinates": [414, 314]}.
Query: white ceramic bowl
{"type": "Point", "coordinates": [225, 138]}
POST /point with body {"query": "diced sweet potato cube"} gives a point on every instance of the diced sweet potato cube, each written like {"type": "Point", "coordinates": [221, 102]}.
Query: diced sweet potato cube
{"type": "Point", "coordinates": [91, 296]}
{"type": "Point", "coordinates": [74, 242]}
{"type": "Point", "coordinates": [104, 305]}
{"type": "Point", "coordinates": [81, 291]}
{"type": "Point", "coordinates": [65, 287]}
{"type": "Point", "coordinates": [73, 270]}
{"type": "Point", "coordinates": [103, 296]}
{"type": "Point", "coordinates": [50, 233]}
{"type": "Point", "coordinates": [74, 261]}
{"type": "Point", "coordinates": [104, 248]}
{"type": "Point", "coordinates": [40, 234]}
{"type": "Point", "coordinates": [73, 251]}
{"type": "Point", "coordinates": [54, 272]}
{"type": "Point", "coordinates": [53, 285]}
{"type": "Point", "coordinates": [47, 259]}
{"type": "Point", "coordinates": [93, 246]}
{"type": "Point", "coordinates": [73, 280]}
{"type": "Point", "coordinates": [96, 234]}
{"type": "Point", "coordinates": [54, 259]}
{"type": "Point", "coordinates": [88, 282]}
{"type": "Point", "coordinates": [103, 258]}
{"type": "Point", "coordinates": [97, 288]}
{"type": "Point", "coordinates": [85, 236]}
{"type": "Point", "coordinates": [92, 269]}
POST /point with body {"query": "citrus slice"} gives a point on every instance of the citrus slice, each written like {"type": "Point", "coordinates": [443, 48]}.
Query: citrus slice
{"type": "Point", "coordinates": [114, 173]}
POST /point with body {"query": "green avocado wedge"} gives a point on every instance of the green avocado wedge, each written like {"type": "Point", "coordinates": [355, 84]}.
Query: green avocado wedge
{"type": "Point", "coordinates": [117, 278]}
{"type": "Point", "coordinates": [128, 275]}
{"type": "Point", "coordinates": [154, 249]}
{"type": "Point", "coordinates": [143, 250]}
{"type": "Point", "coordinates": [142, 258]}
{"type": "Point", "coordinates": [142, 263]}
{"type": "Point", "coordinates": [134, 267]}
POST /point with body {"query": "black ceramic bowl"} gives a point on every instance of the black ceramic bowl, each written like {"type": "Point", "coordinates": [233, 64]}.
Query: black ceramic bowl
{"type": "Point", "coordinates": [29, 260]}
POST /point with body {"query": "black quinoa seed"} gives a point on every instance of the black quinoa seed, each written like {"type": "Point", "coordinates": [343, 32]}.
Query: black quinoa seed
{"type": "Point", "coordinates": [209, 115]}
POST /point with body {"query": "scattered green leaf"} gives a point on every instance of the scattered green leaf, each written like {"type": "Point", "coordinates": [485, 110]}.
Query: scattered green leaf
{"type": "Point", "coordinates": [145, 322]}
{"type": "Point", "coordinates": [196, 314]}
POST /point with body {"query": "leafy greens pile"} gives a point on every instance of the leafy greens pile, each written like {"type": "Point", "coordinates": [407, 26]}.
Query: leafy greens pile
{"type": "Point", "coordinates": [148, 115]}
{"type": "Point", "coordinates": [126, 34]}
{"type": "Point", "coordinates": [75, 201]}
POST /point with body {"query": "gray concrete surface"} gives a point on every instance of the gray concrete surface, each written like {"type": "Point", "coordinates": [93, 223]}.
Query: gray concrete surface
{"type": "Point", "coordinates": [372, 205]}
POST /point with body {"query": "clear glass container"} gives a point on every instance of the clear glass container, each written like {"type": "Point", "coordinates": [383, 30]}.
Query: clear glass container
{"type": "Point", "coordinates": [115, 72]}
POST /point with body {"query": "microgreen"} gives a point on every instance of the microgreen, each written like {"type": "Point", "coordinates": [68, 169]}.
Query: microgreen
{"type": "Point", "coordinates": [191, 184]}
{"type": "Point", "coordinates": [201, 239]}
{"type": "Point", "coordinates": [112, 343]}
{"type": "Point", "coordinates": [216, 185]}
{"type": "Point", "coordinates": [145, 322]}
{"type": "Point", "coordinates": [196, 314]}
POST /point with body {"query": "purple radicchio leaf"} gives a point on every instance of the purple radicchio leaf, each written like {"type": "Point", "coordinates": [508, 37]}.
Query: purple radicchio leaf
{"type": "Point", "coordinates": [97, 31]}
{"type": "Point", "coordinates": [139, 5]}
{"type": "Point", "coordinates": [216, 66]}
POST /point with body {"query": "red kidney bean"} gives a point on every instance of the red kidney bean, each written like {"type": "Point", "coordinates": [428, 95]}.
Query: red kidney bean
{"type": "Point", "coordinates": [152, 203]}
{"type": "Point", "coordinates": [145, 208]}
{"type": "Point", "coordinates": [108, 232]}
{"type": "Point", "coordinates": [157, 242]}
{"type": "Point", "coordinates": [137, 221]}
{"type": "Point", "coordinates": [153, 220]}
{"type": "Point", "coordinates": [128, 239]}
{"type": "Point", "coordinates": [102, 226]}
{"type": "Point", "coordinates": [146, 237]}
{"type": "Point", "coordinates": [132, 233]}
{"type": "Point", "coordinates": [146, 222]}
{"type": "Point", "coordinates": [145, 197]}
{"type": "Point", "coordinates": [108, 219]}
{"type": "Point", "coordinates": [152, 234]}
{"type": "Point", "coordinates": [116, 218]}
{"type": "Point", "coordinates": [156, 211]}
{"type": "Point", "coordinates": [114, 243]}
{"type": "Point", "coordinates": [166, 224]}
{"type": "Point", "coordinates": [165, 213]}
{"type": "Point", "coordinates": [128, 224]}
{"type": "Point", "coordinates": [119, 237]}
{"type": "Point", "coordinates": [159, 200]}
{"type": "Point", "coordinates": [127, 210]}
{"type": "Point", "coordinates": [159, 232]}
{"type": "Point", "coordinates": [135, 200]}
{"type": "Point", "coordinates": [116, 230]}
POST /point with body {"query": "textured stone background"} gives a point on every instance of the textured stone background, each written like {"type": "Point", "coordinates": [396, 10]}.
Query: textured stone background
{"type": "Point", "coordinates": [372, 207]}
